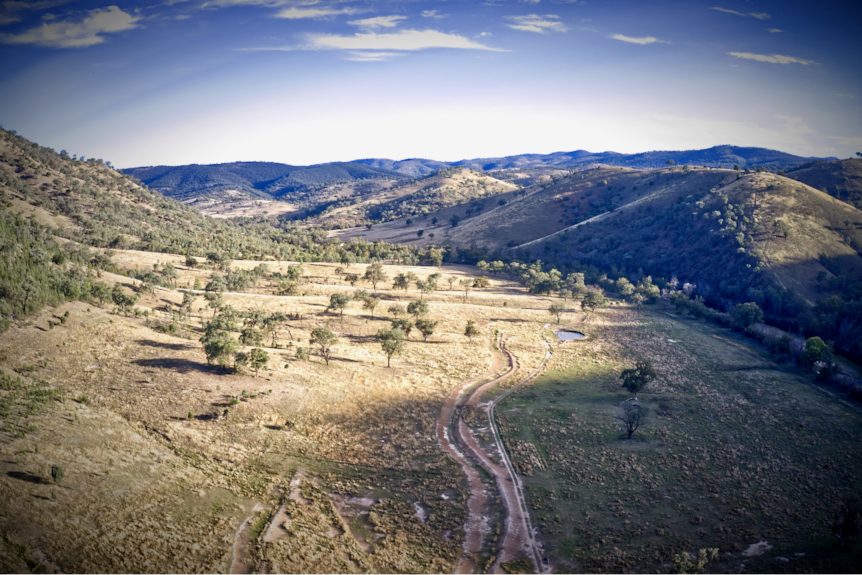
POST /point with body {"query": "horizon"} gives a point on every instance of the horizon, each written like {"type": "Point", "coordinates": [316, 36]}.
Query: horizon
{"type": "Point", "coordinates": [306, 82]}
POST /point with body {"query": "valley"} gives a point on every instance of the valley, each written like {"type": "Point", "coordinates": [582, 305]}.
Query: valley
{"type": "Point", "coordinates": [245, 393]}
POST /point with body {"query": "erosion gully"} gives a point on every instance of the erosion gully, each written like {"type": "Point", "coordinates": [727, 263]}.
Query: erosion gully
{"type": "Point", "coordinates": [455, 437]}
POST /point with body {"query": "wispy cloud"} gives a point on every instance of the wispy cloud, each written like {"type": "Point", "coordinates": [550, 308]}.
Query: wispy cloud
{"type": "Point", "coordinates": [10, 10]}
{"type": "Point", "coordinates": [433, 14]}
{"type": "Point", "coordinates": [642, 41]}
{"type": "Point", "coordinates": [773, 30]}
{"type": "Point", "coordinates": [758, 15]}
{"type": "Point", "coordinates": [404, 40]}
{"type": "Point", "coordinates": [298, 13]}
{"type": "Point", "coordinates": [845, 96]}
{"type": "Point", "coordinates": [536, 23]}
{"type": "Point", "coordinates": [374, 46]}
{"type": "Point", "coordinates": [378, 22]}
{"type": "Point", "coordinates": [771, 58]}
{"type": "Point", "coordinates": [370, 56]}
{"type": "Point", "coordinates": [76, 33]}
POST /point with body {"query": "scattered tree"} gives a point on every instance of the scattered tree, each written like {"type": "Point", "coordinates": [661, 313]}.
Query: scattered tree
{"type": "Point", "coordinates": [632, 415]}
{"type": "Point", "coordinates": [471, 330]}
{"type": "Point", "coordinates": [593, 299]}
{"type": "Point", "coordinates": [257, 359]}
{"type": "Point", "coordinates": [557, 310]}
{"type": "Point", "coordinates": [392, 342]}
{"type": "Point", "coordinates": [683, 563]}
{"type": "Point", "coordinates": [375, 274]}
{"type": "Point", "coordinates": [746, 314]}
{"type": "Point", "coordinates": [637, 378]}
{"type": "Point", "coordinates": [371, 304]}
{"type": "Point", "coordinates": [337, 302]}
{"type": "Point", "coordinates": [417, 308]}
{"type": "Point", "coordinates": [426, 327]}
{"type": "Point", "coordinates": [324, 339]}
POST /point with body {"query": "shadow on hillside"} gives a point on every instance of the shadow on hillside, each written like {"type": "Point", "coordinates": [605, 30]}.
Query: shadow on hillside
{"type": "Point", "coordinates": [25, 476]}
{"type": "Point", "coordinates": [179, 365]}
{"type": "Point", "coordinates": [159, 344]}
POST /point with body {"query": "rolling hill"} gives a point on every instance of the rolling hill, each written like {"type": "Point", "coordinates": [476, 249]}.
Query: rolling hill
{"type": "Point", "coordinates": [253, 179]}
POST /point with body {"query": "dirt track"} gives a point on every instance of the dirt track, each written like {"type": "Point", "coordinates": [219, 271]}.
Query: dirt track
{"type": "Point", "coordinates": [518, 537]}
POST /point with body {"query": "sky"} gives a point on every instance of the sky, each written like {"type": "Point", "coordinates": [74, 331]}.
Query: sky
{"type": "Point", "coordinates": [312, 81]}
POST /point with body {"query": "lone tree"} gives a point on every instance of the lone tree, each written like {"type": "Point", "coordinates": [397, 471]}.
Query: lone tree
{"type": "Point", "coordinates": [426, 327]}
{"type": "Point", "coordinates": [392, 342]}
{"type": "Point", "coordinates": [466, 285]}
{"type": "Point", "coordinates": [593, 299]}
{"type": "Point", "coordinates": [257, 359]}
{"type": "Point", "coordinates": [557, 309]}
{"type": "Point", "coordinates": [636, 379]}
{"type": "Point", "coordinates": [337, 302]}
{"type": "Point", "coordinates": [324, 339]}
{"type": "Point", "coordinates": [375, 274]}
{"type": "Point", "coordinates": [370, 303]}
{"type": "Point", "coordinates": [471, 330]}
{"type": "Point", "coordinates": [633, 415]}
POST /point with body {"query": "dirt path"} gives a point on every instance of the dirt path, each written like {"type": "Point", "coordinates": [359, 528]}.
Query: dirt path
{"type": "Point", "coordinates": [518, 537]}
{"type": "Point", "coordinates": [477, 524]}
{"type": "Point", "coordinates": [241, 544]}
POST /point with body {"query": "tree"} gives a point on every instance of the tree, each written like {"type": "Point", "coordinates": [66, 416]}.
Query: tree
{"type": "Point", "coordinates": [466, 285]}
{"type": "Point", "coordinates": [337, 302]}
{"type": "Point", "coordinates": [417, 308]}
{"type": "Point", "coordinates": [404, 324]}
{"type": "Point", "coordinates": [251, 336]}
{"type": "Point", "coordinates": [272, 324]}
{"type": "Point", "coordinates": [670, 163]}
{"type": "Point", "coordinates": [481, 282]}
{"type": "Point", "coordinates": [815, 350]}
{"type": "Point", "coordinates": [451, 280]}
{"type": "Point", "coordinates": [454, 220]}
{"type": "Point", "coordinates": [471, 330]}
{"type": "Point", "coordinates": [593, 299]}
{"type": "Point", "coordinates": [392, 342]}
{"type": "Point", "coordinates": [746, 314]}
{"type": "Point", "coordinates": [557, 309]}
{"type": "Point", "coordinates": [370, 304]}
{"type": "Point", "coordinates": [396, 309]}
{"type": "Point", "coordinates": [219, 347]}
{"type": "Point", "coordinates": [633, 415]}
{"type": "Point", "coordinates": [435, 254]}
{"type": "Point", "coordinates": [57, 473]}
{"type": "Point", "coordinates": [637, 378]}
{"type": "Point", "coordinates": [401, 281]}
{"type": "Point", "coordinates": [100, 291]}
{"type": "Point", "coordinates": [324, 339]}
{"type": "Point", "coordinates": [426, 327]}
{"type": "Point", "coordinates": [257, 359]}
{"type": "Point", "coordinates": [375, 274]}
{"type": "Point", "coordinates": [122, 299]}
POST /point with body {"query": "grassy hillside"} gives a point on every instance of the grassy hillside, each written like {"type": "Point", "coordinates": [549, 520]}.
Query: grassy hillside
{"type": "Point", "coordinates": [841, 179]}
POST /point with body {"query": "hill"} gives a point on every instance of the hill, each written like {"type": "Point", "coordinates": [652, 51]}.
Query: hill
{"type": "Point", "coordinates": [252, 179]}
{"type": "Point", "coordinates": [841, 179]}
{"type": "Point", "coordinates": [739, 237]}
{"type": "Point", "coordinates": [415, 167]}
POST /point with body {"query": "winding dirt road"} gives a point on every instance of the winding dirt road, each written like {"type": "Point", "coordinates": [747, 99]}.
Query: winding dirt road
{"type": "Point", "coordinates": [519, 537]}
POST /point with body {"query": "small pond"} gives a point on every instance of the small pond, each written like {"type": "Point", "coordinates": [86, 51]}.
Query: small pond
{"type": "Point", "coordinates": [568, 335]}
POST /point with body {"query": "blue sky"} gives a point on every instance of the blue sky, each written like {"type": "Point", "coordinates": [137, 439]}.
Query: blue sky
{"type": "Point", "coordinates": [305, 82]}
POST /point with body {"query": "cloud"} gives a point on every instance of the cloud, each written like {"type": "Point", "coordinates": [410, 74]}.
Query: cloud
{"type": "Point", "coordinates": [433, 14]}
{"type": "Point", "coordinates": [370, 56]}
{"type": "Point", "coordinates": [10, 9]}
{"type": "Point", "coordinates": [536, 23]}
{"type": "Point", "coordinates": [758, 15]}
{"type": "Point", "coordinates": [642, 41]}
{"type": "Point", "coordinates": [845, 95]}
{"type": "Point", "coordinates": [408, 40]}
{"type": "Point", "coordinates": [76, 34]}
{"type": "Point", "coordinates": [773, 30]}
{"type": "Point", "coordinates": [378, 22]}
{"type": "Point", "coordinates": [296, 13]}
{"type": "Point", "coordinates": [771, 58]}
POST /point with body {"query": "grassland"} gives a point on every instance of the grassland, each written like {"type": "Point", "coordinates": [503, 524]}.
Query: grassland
{"type": "Point", "coordinates": [738, 450]}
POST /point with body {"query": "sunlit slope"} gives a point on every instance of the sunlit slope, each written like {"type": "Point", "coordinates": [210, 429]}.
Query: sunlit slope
{"type": "Point", "coordinates": [841, 179]}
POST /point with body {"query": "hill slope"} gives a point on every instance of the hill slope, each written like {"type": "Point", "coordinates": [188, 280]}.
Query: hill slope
{"type": "Point", "coordinates": [841, 179]}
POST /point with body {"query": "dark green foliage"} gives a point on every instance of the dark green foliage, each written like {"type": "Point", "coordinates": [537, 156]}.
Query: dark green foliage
{"type": "Point", "coordinates": [746, 314]}
{"type": "Point", "coordinates": [57, 473]}
{"type": "Point", "coordinates": [324, 340]}
{"type": "Point", "coordinates": [637, 378]}
{"type": "Point", "coordinates": [391, 341]}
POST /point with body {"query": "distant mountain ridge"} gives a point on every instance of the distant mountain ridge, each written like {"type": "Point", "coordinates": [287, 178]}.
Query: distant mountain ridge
{"type": "Point", "coordinates": [268, 180]}
{"type": "Point", "coordinates": [261, 179]}
{"type": "Point", "coordinates": [724, 155]}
